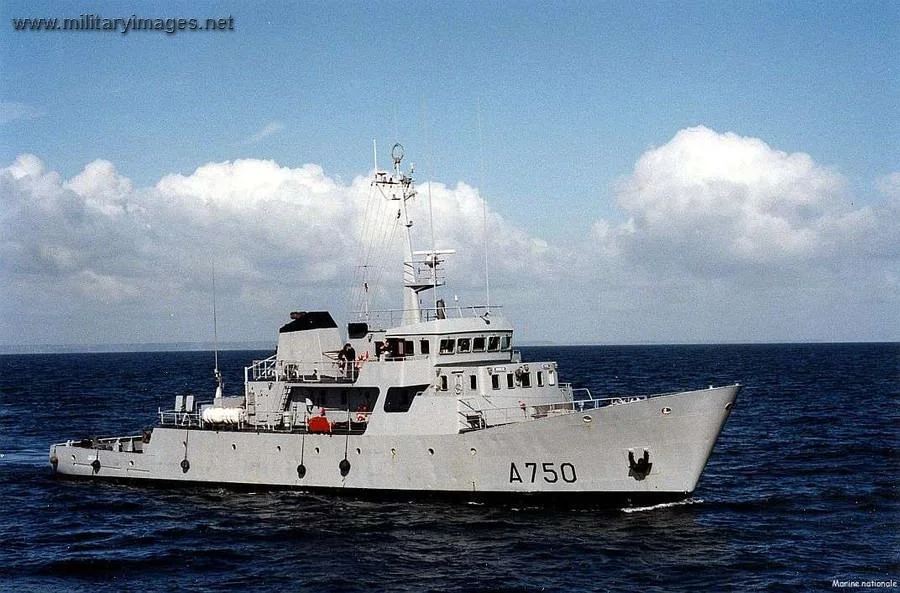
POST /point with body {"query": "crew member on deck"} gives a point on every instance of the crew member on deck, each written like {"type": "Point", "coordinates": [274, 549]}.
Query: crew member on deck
{"type": "Point", "coordinates": [346, 358]}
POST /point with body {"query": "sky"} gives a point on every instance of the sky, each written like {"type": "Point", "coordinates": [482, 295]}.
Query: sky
{"type": "Point", "coordinates": [655, 172]}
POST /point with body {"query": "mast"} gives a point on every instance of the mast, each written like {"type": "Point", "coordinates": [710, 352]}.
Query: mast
{"type": "Point", "coordinates": [418, 275]}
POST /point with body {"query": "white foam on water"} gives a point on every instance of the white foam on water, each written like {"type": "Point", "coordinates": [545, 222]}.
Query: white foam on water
{"type": "Point", "coordinates": [664, 505]}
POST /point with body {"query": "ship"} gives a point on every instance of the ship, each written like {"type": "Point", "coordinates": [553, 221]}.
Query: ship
{"type": "Point", "coordinates": [432, 399]}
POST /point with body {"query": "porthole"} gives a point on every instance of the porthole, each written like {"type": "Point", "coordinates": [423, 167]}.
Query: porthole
{"type": "Point", "coordinates": [278, 448]}
{"type": "Point", "coordinates": [667, 410]}
{"type": "Point", "coordinates": [473, 451]}
{"type": "Point", "coordinates": [358, 451]}
{"type": "Point", "coordinates": [317, 450]}
{"type": "Point", "coordinates": [233, 447]}
{"type": "Point", "coordinates": [393, 453]}
{"type": "Point", "coordinates": [430, 451]}
{"type": "Point", "coordinates": [587, 419]}
{"type": "Point", "coordinates": [131, 463]}
{"type": "Point", "coordinates": [728, 406]}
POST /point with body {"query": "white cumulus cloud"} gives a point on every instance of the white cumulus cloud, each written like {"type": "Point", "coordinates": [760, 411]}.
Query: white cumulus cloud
{"type": "Point", "coordinates": [721, 238]}
{"type": "Point", "coordinates": [707, 199]}
{"type": "Point", "coordinates": [724, 229]}
{"type": "Point", "coordinates": [279, 237]}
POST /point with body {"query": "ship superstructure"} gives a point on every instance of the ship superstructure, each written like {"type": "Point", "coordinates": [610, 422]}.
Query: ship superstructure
{"type": "Point", "coordinates": [429, 398]}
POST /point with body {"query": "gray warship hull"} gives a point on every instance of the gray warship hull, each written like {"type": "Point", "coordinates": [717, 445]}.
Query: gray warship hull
{"type": "Point", "coordinates": [595, 453]}
{"type": "Point", "coordinates": [428, 399]}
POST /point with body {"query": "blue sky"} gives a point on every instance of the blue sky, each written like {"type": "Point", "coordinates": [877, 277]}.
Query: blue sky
{"type": "Point", "coordinates": [545, 108]}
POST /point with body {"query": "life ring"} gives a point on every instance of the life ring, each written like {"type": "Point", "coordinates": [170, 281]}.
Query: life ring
{"type": "Point", "coordinates": [362, 412]}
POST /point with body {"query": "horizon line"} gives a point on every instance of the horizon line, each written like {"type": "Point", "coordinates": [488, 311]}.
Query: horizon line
{"type": "Point", "coordinates": [237, 346]}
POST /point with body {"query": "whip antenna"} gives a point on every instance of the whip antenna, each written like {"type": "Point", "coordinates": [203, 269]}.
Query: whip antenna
{"type": "Point", "coordinates": [219, 383]}
{"type": "Point", "coordinates": [484, 218]}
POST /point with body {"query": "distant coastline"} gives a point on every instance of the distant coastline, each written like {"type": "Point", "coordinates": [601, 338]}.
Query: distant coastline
{"type": "Point", "coordinates": [150, 347]}
{"type": "Point", "coordinates": [8, 349]}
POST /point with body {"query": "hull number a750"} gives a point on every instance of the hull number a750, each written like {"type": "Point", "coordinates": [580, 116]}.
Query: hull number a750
{"type": "Point", "coordinates": [549, 472]}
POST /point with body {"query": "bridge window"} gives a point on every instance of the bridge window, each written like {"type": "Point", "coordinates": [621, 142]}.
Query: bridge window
{"type": "Point", "coordinates": [462, 345]}
{"type": "Point", "coordinates": [478, 344]}
{"type": "Point", "coordinates": [505, 342]}
{"type": "Point", "coordinates": [493, 343]}
{"type": "Point", "coordinates": [447, 345]}
{"type": "Point", "coordinates": [423, 346]}
{"type": "Point", "coordinates": [404, 348]}
{"type": "Point", "coordinates": [526, 379]}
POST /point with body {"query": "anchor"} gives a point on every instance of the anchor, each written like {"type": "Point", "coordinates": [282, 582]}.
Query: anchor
{"type": "Point", "coordinates": [640, 468]}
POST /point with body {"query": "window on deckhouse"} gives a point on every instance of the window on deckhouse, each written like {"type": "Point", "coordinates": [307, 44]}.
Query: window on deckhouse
{"type": "Point", "coordinates": [399, 399]}
{"type": "Point", "coordinates": [405, 348]}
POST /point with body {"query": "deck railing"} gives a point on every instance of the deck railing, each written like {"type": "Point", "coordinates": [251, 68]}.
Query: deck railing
{"type": "Point", "coordinates": [384, 318]}
{"type": "Point", "coordinates": [179, 418]}
{"type": "Point", "coordinates": [323, 370]}
{"type": "Point", "coordinates": [473, 418]}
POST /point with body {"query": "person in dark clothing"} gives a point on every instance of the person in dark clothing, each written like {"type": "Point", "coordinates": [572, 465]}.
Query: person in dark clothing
{"type": "Point", "coordinates": [347, 359]}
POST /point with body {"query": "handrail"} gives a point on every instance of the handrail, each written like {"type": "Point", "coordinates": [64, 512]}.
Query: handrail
{"type": "Point", "coordinates": [473, 420]}
{"type": "Point", "coordinates": [296, 371]}
{"type": "Point", "coordinates": [392, 317]}
{"type": "Point", "coordinates": [529, 412]}
{"type": "Point", "coordinates": [177, 418]}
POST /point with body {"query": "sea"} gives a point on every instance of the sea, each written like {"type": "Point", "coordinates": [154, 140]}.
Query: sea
{"type": "Point", "coordinates": [802, 492]}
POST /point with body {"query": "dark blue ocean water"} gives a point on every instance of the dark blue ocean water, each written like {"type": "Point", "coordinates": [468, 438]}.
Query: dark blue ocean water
{"type": "Point", "coordinates": [803, 488]}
